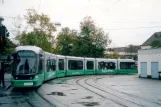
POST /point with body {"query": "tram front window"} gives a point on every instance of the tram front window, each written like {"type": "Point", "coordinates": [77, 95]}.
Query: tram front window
{"type": "Point", "coordinates": [24, 63]}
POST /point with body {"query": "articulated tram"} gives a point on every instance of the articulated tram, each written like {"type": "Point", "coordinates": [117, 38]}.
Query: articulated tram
{"type": "Point", "coordinates": [32, 66]}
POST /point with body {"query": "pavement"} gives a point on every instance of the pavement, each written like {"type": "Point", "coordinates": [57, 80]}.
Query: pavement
{"type": "Point", "coordinates": [7, 78]}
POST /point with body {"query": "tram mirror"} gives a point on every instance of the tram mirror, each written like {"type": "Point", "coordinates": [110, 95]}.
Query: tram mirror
{"type": "Point", "coordinates": [14, 55]}
{"type": "Point", "coordinates": [41, 58]}
{"type": "Point", "coordinates": [8, 58]}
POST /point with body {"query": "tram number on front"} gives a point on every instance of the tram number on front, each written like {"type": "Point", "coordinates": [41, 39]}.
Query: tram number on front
{"type": "Point", "coordinates": [28, 84]}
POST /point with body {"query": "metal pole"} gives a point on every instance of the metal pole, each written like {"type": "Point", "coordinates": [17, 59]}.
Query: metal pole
{"type": "Point", "coordinates": [1, 19]}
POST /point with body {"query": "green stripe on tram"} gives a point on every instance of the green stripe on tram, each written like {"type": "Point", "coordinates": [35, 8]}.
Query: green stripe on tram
{"type": "Point", "coordinates": [108, 71]}
{"type": "Point", "coordinates": [60, 73]}
{"type": "Point", "coordinates": [74, 72]}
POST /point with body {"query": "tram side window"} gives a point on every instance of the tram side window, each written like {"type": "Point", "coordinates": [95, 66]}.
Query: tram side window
{"type": "Point", "coordinates": [61, 64]}
{"type": "Point", "coordinates": [100, 65]}
{"type": "Point", "coordinates": [48, 65]}
{"type": "Point", "coordinates": [90, 65]}
{"type": "Point", "coordinates": [111, 65]}
{"type": "Point", "coordinates": [40, 66]}
{"type": "Point", "coordinates": [72, 64]}
{"type": "Point", "coordinates": [127, 65]}
{"type": "Point", "coordinates": [123, 65]}
{"type": "Point", "coordinates": [79, 65]}
{"type": "Point", "coordinates": [53, 66]}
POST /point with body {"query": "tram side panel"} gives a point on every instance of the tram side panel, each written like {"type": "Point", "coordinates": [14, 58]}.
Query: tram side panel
{"type": "Point", "coordinates": [50, 66]}
{"type": "Point", "coordinates": [89, 66]}
{"type": "Point", "coordinates": [106, 66]}
{"type": "Point", "coordinates": [126, 66]}
{"type": "Point", "coordinates": [75, 66]}
{"type": "Point", "coordinates": [61, 66]}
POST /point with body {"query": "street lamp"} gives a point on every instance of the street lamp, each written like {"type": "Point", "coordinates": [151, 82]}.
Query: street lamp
{"type": "Point", "coordinates": [57, 24]}
{"type": "Point", "coordinates": [94, 43]}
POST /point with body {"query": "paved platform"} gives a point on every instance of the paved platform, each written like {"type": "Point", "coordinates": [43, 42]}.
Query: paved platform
{"type": "Point", "coordinates": [7, 83]}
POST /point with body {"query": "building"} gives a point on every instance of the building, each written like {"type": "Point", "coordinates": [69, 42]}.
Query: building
{"type": "Point", "coordinates": [147, 43]}
{"type": "Point", "coordinates": [149, 63]}
{"type": "Point", "coordinates": [126, 52]}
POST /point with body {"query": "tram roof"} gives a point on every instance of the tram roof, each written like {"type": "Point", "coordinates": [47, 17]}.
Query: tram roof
{"type": "Point", "coordinates": [105, 59]}
{"type": "Point", "coordinates": [60, 56]}
{"type": "Point", "coordinates": [74, 57]}
{"type": "Point", "coordinates": [126, 60]}
{"type": "Point", "coordinates": [32, 48]}
{"type": "Point", "coordinates": [89, 58]}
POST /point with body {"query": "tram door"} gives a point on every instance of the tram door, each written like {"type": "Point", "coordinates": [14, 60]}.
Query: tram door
{"type": "Point", "coordinates": [89, 67]}
{"type": "Point", "coordinates": [61, 68]}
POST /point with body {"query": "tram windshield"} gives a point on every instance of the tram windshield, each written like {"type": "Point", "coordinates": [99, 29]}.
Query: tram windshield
{"type": "Point", "coordinates": [127, 65]}
{"type": "Point", "coordinates": [24, 63]}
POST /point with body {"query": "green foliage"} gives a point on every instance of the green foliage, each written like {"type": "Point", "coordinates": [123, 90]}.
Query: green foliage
{"type": "Point", "coordinates": [36, 38]}
{"type": "Point", "coordinates": [41, 31]}
{"type": "Point", "coordinates": [156, 44]}
{"type": "Point", "coordinates": [90, 42]}
{"type": "Point", "coordinates": [40, 22]}
{"type": "Point", "coordinates": [115, 55]}
{"type": "Point", "coordinates": [65, 41]}
{"type": "Point", "coordinates": [9, 47]}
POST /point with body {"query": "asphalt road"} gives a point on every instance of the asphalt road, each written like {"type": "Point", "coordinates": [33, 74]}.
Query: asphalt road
{"type": "Point", "coordinates": [88, 91]}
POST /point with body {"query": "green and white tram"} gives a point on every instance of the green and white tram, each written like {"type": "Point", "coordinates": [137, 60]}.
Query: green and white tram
{"type": "Point", "coordinates": [28, 69]}
{"type": "Point", "coordinates": [32, 66]}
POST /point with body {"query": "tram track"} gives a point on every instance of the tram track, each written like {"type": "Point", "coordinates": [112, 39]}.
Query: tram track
{"type": "Point", "coordinates": [98, 93]}
{"type": "Point", "coordinates": [112, 97]}
{"type": "Point", "coordinates": [25, 98]}
{"type": "Point", "coordinates": [30, 98]}
{"type": "Point", "coordinates": [118, 93]}
{"type": "Point", "coordinates": [112, 93]}
{"type": "Point", "coordinates": [49, 99]}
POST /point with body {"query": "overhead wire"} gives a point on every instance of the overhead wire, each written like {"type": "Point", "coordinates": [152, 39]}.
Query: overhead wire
{"type": "Point", "coordinates": [135, 28]}
{"type": "Point", "coordinates": [109, 8]}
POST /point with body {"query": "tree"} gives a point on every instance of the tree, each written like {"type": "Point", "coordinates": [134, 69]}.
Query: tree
{"type": "Point", "coordinates": [10, 46]}
{"type": "Point", "coordinates": [131, 51]}
{"type": "Point", "coordinates": [156, 44]}
{"type": "Point", "coordinates": [114, 55]}
{"type": "Point", "coordinates": [91, 41]}
{"type": "Point", "coordinates": [36, 38]}
{"type": "Point", "coordinates": [64, 41]}
{"type": "Point", "coordinates": [39, 31]}
{"type": "Point", "coordinates": [4, 34]}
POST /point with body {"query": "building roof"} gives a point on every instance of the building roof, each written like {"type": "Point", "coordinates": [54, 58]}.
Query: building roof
{"type": "Point", "coordinates": [155, 36]}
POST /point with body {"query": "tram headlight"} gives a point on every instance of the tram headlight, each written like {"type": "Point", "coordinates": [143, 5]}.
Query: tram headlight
{"type": "Point", "coordinates": [36, 77]}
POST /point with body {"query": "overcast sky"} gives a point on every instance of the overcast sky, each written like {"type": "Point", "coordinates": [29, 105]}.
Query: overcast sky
{"type": "Point", "coordinates": [126, 21]}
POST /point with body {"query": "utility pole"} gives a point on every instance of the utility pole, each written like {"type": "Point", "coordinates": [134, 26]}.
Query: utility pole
{"type": "Point", "coordinates": [1, 19]}
{"type": "Point", "coordinates": [3, 35]}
